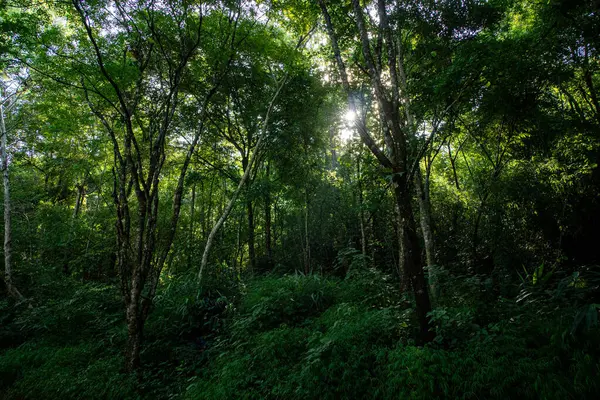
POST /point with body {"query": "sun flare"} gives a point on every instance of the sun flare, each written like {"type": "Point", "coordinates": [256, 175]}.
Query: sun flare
{"type": "Point", "coordinates": [350, 116]}
{"type": "Point", "coordinates": [347, 128]}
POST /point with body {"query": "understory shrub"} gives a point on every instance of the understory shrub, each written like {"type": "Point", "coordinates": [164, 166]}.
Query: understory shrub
{"type": "Point", "coordinates": [41, 370]}
{"type": "Point", "coordinates": [349, 345]}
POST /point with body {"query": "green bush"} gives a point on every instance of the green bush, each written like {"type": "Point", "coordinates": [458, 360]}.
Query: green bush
{"type": "Point", "coordinates": [349, 344]}
{"type": "Point", "coordinates": [305, 337]}
{"type": "Point", "coordinates": [294, 337]}
{"type": "Point", "coordinates": [291, 300]}
{"type": "Point", "coordinates": [39, 370]}
{"type": "Point", "coordinates": [345, 351]}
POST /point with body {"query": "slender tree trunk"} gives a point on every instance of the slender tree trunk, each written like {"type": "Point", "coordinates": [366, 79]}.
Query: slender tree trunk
{"type": "Point", "coordinates": [277, 216]}
{"type": "Point", "coordinates": [422, 189]}
{"type": "Point", "coordinates": [453, 164]}
{"type": "Point", "coordinates": [10, 287]}
{"type": "Point", "coordinates": [333, 160]}
{"type": "Point", "coordinates": [191, 236]}
{"type": "Point", "coordinates": [361, 215]}
{"type": "Point", "coordinates": [202, 216]}
{"type": "Point", "coordinates": [224, 215]}
{"type": "Point", "coordinates": [242, 183]}
{"type": "Point", "coordinates": [222, 204]}
{"type": "Point", "coordinates": [475, 240]}
{"type": "Point", "coordinates": [76, 210]}
{"type": "Point", "coordinates": [238, 247]}
{"type": "Point", "coordinates": [363, 236]}
{"type": "Point", "coordinates": [208, 217]}
{"type": "Point", "coordinates": [268, 216]}
{"type": "Point", "coordinates": [80, 199]}
{"type": "Point", "coordinates": [251, 249]}
{"type": "Point", "coordinates": [425, 218]}
{"type": "Point", "coordinates": [250, 217]}
{"type": "Point", "coordinates": [306, 236]}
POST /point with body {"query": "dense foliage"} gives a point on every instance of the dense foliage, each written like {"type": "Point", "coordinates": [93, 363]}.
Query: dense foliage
{"type": "Point", "coordinates": [300, 199]}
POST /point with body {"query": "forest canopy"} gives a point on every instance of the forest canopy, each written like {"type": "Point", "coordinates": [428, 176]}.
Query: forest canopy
{"type": "Point", "coordinates": [294, 199]}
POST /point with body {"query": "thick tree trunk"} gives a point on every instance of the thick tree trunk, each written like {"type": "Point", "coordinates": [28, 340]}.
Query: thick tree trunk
{"type": "Point", "coordinates": [10, 287]}
{"type": "Point", "coordinates": [403, 276]}
{"type": "Point", "coordinates": [411, 261]}
{"type": "Point", "coordinates": [135, 326]}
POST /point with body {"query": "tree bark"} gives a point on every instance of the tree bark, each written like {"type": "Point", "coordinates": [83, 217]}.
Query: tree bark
{"type": "Point", "coordinates": [238, 246]}
{"type": "Point", "coordinates": [250, 219]}
{"type": "Point", "coordinates": [138, 167]}
{"type": "Point", "coordinates": [80, 199]}
{"type": "Point", "coordinates": [277, 216]}
{"type": "Point", "coordinates": [225, 214]}
{"type": "Point", "coordinates": [453, 164]}
{"type": "Point", "coordinates": [242, 183]}
{"type": "Point", "coordinates": [10, 286]}
{"type": "Point", "coordinates": [333, 162]}
{"type": "Point", "coordinates": [208, 216]}
{"type": "Point", "coordinates": [191, 236]}
{"type": "Point", "coordinates": [402, 274]}
{"type": "Point", "coordinates": [251, 249]}
{"type": "Point", "coordinates": [425, 218]}
{"type": "Point", "coordinates": [422, 189]}
{"type": "Point", "coordinates": [268, 248]}
{"type": "Point", "coordinates": [395, 132]}
{"type": "Point", "coordinates": [307, 267]}
{"type": "Point", "coordinates": [411, 261]}
{"type": "Point", "coordinates": [135, 324]}
{"type": "Point", "coordinates": [361, 216]}
{"type": "Point", "coordinates": [67, 250]}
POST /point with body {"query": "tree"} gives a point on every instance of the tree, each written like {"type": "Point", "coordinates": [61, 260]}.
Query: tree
{"type": "Point", "coordinates": [8, 278]}
{"type": "Point", "coordinates": [247, 171]}
{"type": "Point", "coordinates": [396, 132]}
{"type": "Point", "coordinates": [132, 78]}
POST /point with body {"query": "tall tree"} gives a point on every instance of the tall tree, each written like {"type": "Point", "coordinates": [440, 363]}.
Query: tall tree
{"type": "Point", "coordinates": [8, 278]}
{"type": "Point", "coordinates": [244, 179]}
{"type": "Point", "coordinates": [132, 77]}
{"type": "Point", "coordinates": [395, 129]}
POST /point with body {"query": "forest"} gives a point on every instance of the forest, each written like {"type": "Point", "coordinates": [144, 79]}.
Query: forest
{"type": "Point", "coordinates": [300, 199]}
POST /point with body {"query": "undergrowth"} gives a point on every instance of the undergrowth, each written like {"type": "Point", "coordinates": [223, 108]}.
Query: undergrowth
{"type": "Point", "coordinates": [300, 337]}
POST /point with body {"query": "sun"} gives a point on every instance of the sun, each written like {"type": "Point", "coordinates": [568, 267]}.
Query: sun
{"type": "Point", "coordinates": [349, 116]}
{"type": "Point", "coordinates": [347, 129]}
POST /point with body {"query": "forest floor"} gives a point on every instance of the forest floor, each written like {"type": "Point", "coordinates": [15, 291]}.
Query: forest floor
{"type": "Point", "coordinates": [298, 337]}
